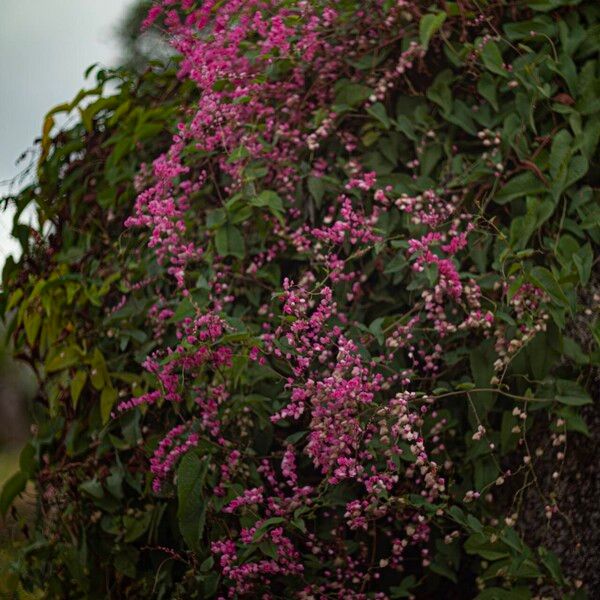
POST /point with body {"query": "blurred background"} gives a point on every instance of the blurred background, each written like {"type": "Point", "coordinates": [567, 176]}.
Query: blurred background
{"type": "Point", "coordinates": [45, 48]}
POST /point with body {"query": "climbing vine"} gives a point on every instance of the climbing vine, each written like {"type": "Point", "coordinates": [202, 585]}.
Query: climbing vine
{"type": "Point", "coordinates": [304, 302]}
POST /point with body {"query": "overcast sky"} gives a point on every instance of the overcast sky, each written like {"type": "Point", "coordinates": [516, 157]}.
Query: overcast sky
{"type": "Point", "coordinates": [45, 47]}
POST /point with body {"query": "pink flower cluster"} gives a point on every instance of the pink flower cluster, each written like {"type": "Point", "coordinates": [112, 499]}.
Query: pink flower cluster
{"type": "Point", "coordinates": [245, 576]}
{"type": "Point", "coordinates": [177, 442]}
{"type": "Point", "coordinates": [266, 72]}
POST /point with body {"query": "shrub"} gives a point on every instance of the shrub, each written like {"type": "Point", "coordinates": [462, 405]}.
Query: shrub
{"type": "Point", "coordinates": [312, 363]}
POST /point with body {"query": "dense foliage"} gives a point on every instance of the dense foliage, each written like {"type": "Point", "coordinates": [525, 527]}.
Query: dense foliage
{"type": "Point", "coordinates": [306, 316]}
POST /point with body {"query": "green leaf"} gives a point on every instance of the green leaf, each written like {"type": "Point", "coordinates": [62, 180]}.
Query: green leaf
{"type": "Point", "coordinates": [437, 566]}
{"type": "Point", "coordinates": [474, 524]}
{"type": "Point", "coordinates": [492, 59]}
{"type": "Point", "coordinates": [551, 562]}
{"type": "Point", "coordinates": [578, 168]}
{"type": "Point", "coordinates": [238, 153]}
{"type": "Point", "coordinates": [573, 350]}
{"type": "Point", "coordinates": [429, 24]}
{"type": "Point", "coordinates": [114, 482]}
{"type": "Point", "coordinates": [32, 324]}
{"type": "Point", "coordinates": [14, 298]}
{"type": "Point", "coordinates": [108, 398]}
{"type": "Point", "coordinates": [403, 590]}
{"type": "Point", "coordinates": [191, 507]}
{"type": "Point", "coordinates": [461, 116]}
{"type": "Point", "coordinates": [210, 584]}
{"type": "Point", "coordinates": [595, 330]}
{"type": "Point", "coordinates": [458, 515]}
{"type": "Point", "coordinates": [574, 400]}
{"type": "Point", "coordinates": [482, 368]}
{"type": "Point", "coordinates": [135, 527]}
{"type": "Point", "coordinates": [524, 184]}
{"type": "Point", "coordinates": [466, 386]}
{"type": "Point", "coordinates": [125, 562]}
{"type": "Point", "coordinates": [260, 531]}
{"type": "Point", "coordinates": [11, 489]}
{"type": "Point", "coordinates": [352, 94]}
{"type": "Point", "coordinates": [378, 111]}
{"type": "Point", "coordinates": [207, 564]}
{"type": "Point", "coordinates": [583, 260]}
{"type": "Point", "coordinates": [486, 86]}
{"type": "Point", "coordinates": [268, 199]}
{"type": "Point", "coordinates": [316, 189]}
{"type": "Point", "coordinates": [299, 524]}
{"type": "Point", "coordinates": [560, 155]}
{"type": "Point", "coordinates": [397, 263]}
{"type": "Point", "coordinates": [229, 241]}
{"type": "Point", "coordinates": [540, 355]}
{"type": "Point", "coordinates": [268, 548]}
{"type": "Point", "coordinates": [27, 460]}
{"type": "Point", "coordinates": [574, 421]}
{"type": "Point", "coordinates": [548, 5]}
{"type": "Point", "coordinates": [524, 29]}
{"type": "Point", "coordinates": [99, 374]}
{"type": "Point", "coordinates": [93, 488]}
{"type": "Point", "coordinates": [406, 126]}
{"type": "Point", "coordinates": [63, 358]}
{"type": "Point", "coordinates": [77, 384]}
{"type": "Point", "coordinates": [590, 137]}
{"type": "Point", "coordinates": [369, 138]}
{"type": "Point", "coordinates": [480, 545]}
{"type": "Point", "coordinates": [439, 91]}
{"type": "Point", "coordinates": [508, 439]}
{"type": "Point", "coordinates": [545, 280]}
{"type": "Point", "coordinates": [216, 218]}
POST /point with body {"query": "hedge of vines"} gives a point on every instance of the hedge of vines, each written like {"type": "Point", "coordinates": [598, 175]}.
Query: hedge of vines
{"type": "Point", "coordinates": [308, 309]}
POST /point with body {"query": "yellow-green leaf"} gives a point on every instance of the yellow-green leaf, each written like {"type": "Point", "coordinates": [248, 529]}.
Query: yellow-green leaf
{"type": "Point", "coordinates": [77, 384]}
{"type": "Point", "coordinates": [429, 24]}
{"type": "Point", "coordinates": [32, 322]}
{"type": "Point", "coordinates": [99, 373]}
{"type": "Point", "coordinates": [107, 401]}
{"type": "Point", "coordinates": [63, 358]}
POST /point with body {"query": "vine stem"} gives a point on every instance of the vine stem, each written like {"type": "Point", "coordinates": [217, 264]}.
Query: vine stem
{"type": "Point", "coordinates": [496, 390]}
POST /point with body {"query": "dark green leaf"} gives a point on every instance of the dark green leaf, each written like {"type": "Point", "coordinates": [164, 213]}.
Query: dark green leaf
{"type": "Point", "coordinates": [10, 490]}
{"type": "Point", "coordinates": [191, 511]}
{"type": "Point", "coordinates": [429, 24]}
